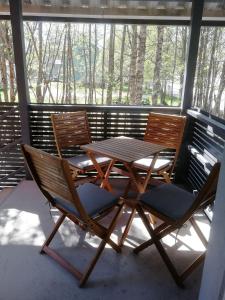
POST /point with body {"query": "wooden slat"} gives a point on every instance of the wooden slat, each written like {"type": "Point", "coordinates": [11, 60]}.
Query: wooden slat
{"type": "Point", "coordinates": [124, 149]}
{"type": "Point", "coordinates": [131, 122]}
{"type": "Point", "coordinates": [70, 129]}
{"type": "Point", "coordinates": [11, 160]}
{"type": "Point", "coordinates": [208, 139]}
{"type": "Point", "coordinates": [165, 130]}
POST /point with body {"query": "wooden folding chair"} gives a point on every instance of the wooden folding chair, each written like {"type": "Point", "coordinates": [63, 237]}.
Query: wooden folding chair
{"type": "Point", "coordinates": [166, 130]}
{"type": "Point", "coordinates": [84, 205]}
{"type": "Point", "coordinates": [175, 206]}
{"type": "Point", "coordinates": [71, 130]}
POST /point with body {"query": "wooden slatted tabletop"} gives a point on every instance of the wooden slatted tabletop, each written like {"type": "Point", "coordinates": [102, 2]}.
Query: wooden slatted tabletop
{"type": "Point", "coordinates": [124, 149]}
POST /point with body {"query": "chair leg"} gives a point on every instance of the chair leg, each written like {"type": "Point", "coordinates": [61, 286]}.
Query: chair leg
{"type": "Point", "coordinates": [52, 234]}
{"type": "Point", "coordinates": [160, 248]}
{"type": "Point", "coordinates": [127, 228]}
{"type": "Point", "coordinates": [101, 248]}
{"type": "Point", "coordinates": [198, 231]}
{"type": "Point", "coordinates": [116, 247]}
{"type": "Point", "coordinates": [90, 268]}
{"type": "Point", "coordinates": [192, 267]}
{"type": "Point", "coordinates": [143, 246]}
{"type": "Point", "coordinates": [127, 188]}
{"type": "Point", "coordinates": [65, 264]}
{"type": "Point", "coordinates": [160, 231]}
{"type": "Point", "coordinates": [166, 177]}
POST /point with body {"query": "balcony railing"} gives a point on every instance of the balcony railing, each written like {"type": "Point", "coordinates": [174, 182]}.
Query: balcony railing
{"type": "Point", "coordinates": [11, 160]}
{"type": "Point", "coordinates": [203, 142]}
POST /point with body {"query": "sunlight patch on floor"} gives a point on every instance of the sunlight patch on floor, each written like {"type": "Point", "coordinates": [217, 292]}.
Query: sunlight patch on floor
{"type": "Point", "coordinates": [20, 227]}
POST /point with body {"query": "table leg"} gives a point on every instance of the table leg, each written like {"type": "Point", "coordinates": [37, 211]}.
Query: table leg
{"type": "Point", "coordinates": [134, 178]}
{"type": "Point", "coordinates": [149, 172]}
{"type": "Point", "coordinates": [105, 181]}
{"type": "Point", "coordinates": [100, 172]}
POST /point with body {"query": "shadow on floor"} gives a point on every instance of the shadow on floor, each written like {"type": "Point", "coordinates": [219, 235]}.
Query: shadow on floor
{"type": "Point", "coordinates": [25, 274]}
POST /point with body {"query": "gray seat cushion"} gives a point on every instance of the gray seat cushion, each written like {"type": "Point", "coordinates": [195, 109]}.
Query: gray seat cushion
{"type": "Point", "coordinates": [84, 162]}
{"type": "Point", "coordinates": [168, 200]}
{"type": "Point", "coordinates": [93, 198]}
{"type": "Point", "coordinates": [145, 163]}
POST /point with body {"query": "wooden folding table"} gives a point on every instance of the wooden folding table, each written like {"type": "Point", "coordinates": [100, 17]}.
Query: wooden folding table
{"type": "Point", "coordinates": [125, 150]}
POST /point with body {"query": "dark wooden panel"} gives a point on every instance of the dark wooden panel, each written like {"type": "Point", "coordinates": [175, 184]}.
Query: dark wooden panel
{"type": "Point", "coordinates": [105, 122]}
{"type": "Point", "coordinates": [206, 146]}
{"type": "Point", "coordinates": [207, 135]}
{"type": "Point", "coordinates": [11, 159]}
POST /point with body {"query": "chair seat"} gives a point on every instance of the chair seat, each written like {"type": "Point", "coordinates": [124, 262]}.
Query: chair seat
{"type": "Point", "coordinates": [168, 200]}
{"type": "Point", "coordinates": [84, 162]}
{"type": "Point", "coordinates": [145, 163]}
{"type": "Point", "coordinates": [94, 199]}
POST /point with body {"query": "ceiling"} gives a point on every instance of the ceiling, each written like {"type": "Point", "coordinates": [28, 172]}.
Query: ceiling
{"type": "Point", "coordinates": [122, 9]}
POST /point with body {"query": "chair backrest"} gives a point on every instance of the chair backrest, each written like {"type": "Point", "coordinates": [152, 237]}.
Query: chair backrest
{"type": "Point", "coordinates": [71, 129]}
{"type": "Point", "coordinates": [166, 130]}
{"type": "Point", "coordinates": [53, 177]}
{"type": "Point", "coordinates": [207, 193]}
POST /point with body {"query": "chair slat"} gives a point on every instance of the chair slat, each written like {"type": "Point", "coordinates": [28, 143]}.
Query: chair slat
{"type": "Point", "coordinates": [49, 173]}
{"type": "Point", "coordinates": [165, 130]}
{"type": "Point", "coordinates": [70, 129]}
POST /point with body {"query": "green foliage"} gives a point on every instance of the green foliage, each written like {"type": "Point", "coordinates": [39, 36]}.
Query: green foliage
{"type": "Point", "coordinates": [69, 63]}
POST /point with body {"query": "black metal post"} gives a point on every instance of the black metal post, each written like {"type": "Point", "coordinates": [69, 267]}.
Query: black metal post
{"type": "Point", "coordinates": [195, 27]}
{"type": "Point", "coordinates": [21, 76]}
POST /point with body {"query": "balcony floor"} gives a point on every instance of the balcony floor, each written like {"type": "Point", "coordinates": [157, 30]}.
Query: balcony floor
{"type": "Point", "coordinates": [25, 274]}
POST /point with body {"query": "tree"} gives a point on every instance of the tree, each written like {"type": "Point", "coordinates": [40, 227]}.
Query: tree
{"type": "Point", "coordinates": [174, 64]}
{"type": "Point", "coordinates": [184, 31]}
{"type": "Point", "coordinates": [140, 64]}
{"type": "Point", "coordinates": [40, 65]}
{"type": "Point", "coordinates": [103, 65]}
{"type": "Point", "coordinates": [132, 71]}
{"type": "Point", "coordinates": [158, 65]}
{"type": "Point", "coordinates": [210, 70]}
{"type": "Point", "coordinates": [122, 63]}
{"type": "Point", "coordinates": [220, 92]}
{"type": "Point", "coordinates": [111, 65]}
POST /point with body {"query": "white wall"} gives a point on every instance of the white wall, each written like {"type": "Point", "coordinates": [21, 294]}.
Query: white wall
{"type": "Point", "coordinates": [213, 280]}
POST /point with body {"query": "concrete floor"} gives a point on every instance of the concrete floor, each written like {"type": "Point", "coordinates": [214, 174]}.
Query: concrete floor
{"type": "Point", "coordinates": [25, 274]}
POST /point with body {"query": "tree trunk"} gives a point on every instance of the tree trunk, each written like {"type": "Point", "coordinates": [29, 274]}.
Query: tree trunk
{"type": "Point", "coordinates": [158, 65]}
{"type": "Point", "coordinates": [64, 70]}
{"type": "Point", "coordinates": [90, 96]}
{"type": "Point", "coordinates": [199, 67]}
{"type": "Point", "coordinates": [215, 71]}
{"type": "Point", "coordinates": [111, 65]}
{"type": "Point", "coordinates": [220, 92]}
{"type": "Point", "coordinates": [69, 65]}
{"type": "Point", "coordinates": [4, 77]}
{"type": "Point", "coordinates": [73, 73]}
{"type": "Point", "coordinates": [94, 62]}
{"type": "Point", "coordinates": [85, 64]}
{"type": "Point", "coordinates": [133, 62]}
{"type": "Point", "coordinates": [121, 63]}
{"type": "Point", "coordinates": [103, 65]}
{"type": "Point", "coordinates": [11, 63]}
{"type": "Point", "coordinates": [40, 66]}
{"type": "Point", "coordinates": [210, 68]}
{"type": "Point", "coordinates": [183, 58]}
{"type": "Point", "coordinates": [202, 71]}
{"type": "Point", "coordinates": [140, 64]}
{"type": "Point", "coordinates": [174, 66]}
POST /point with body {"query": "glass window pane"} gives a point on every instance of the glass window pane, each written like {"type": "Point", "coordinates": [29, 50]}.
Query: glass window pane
{"type": "Point", "coordinates": [209, 91]}
{"type": "Point", "coordinates": [8, 88]}
{"type": "Point", "coordinates": [105, 63]}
